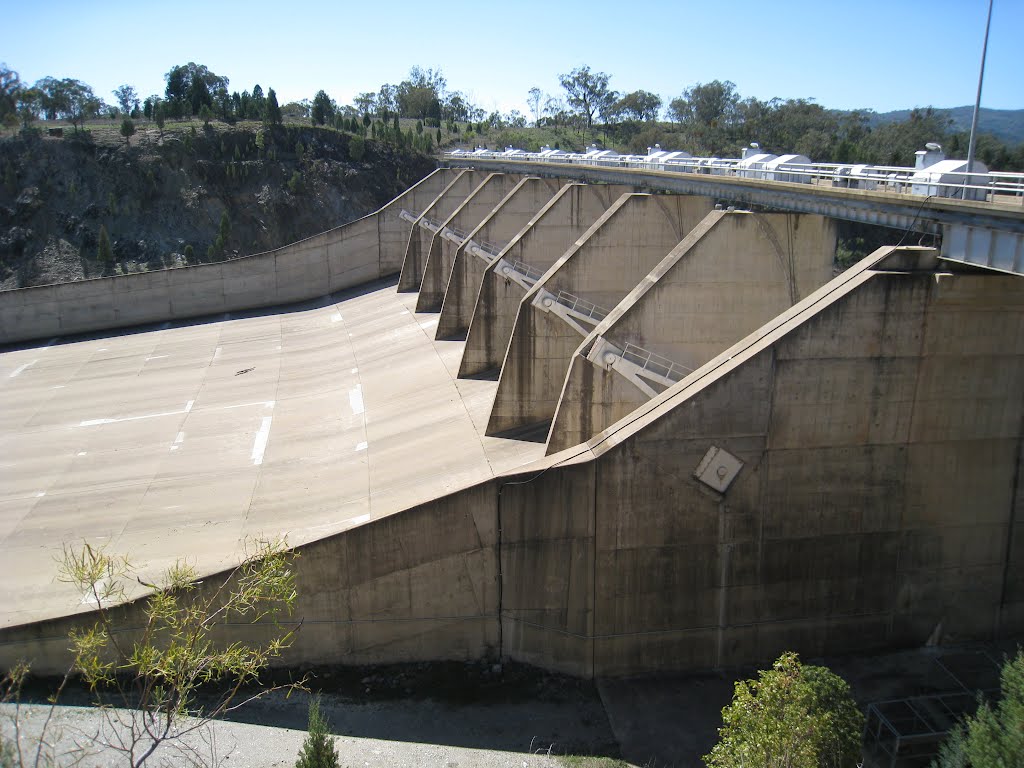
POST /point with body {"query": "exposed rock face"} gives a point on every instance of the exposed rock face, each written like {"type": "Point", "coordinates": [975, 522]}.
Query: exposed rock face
{"type": "Point", "coordinates": [165, 194]}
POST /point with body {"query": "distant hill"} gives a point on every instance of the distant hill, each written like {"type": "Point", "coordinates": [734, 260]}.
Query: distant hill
{"type": "Point", "coordinates": [1005, 124]}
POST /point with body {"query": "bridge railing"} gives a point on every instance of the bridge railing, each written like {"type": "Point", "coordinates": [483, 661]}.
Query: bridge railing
{"type": "Point", "coordinates": [581, 306]}
{"type": "Point", "coordinates": [993, 186]}
{"type": "Point", "coordinates": [656, 364]}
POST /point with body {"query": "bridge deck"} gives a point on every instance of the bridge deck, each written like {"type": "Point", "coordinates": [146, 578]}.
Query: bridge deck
{"type": "Point", "coordinates": [183, 441]}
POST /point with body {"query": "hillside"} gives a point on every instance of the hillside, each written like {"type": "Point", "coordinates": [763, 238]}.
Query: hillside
{"type": "Point", "coordinates": [1005, 124]}
{"type": "Point", "coordinates": [163, 199]}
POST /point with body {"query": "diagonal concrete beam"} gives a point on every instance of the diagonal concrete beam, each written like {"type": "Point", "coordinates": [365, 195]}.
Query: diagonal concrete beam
{"type": "Point", "coordinates": [733, 273]}
{"type": "Point", "coordinates": [439, 209]}
{"type": "Point", "coordinates": [493, 233]}
{"type": "Point", "coordinates": [603, 266]}
{"type": "Point", "coordinates": [547, 236]}
{"type": "Point", "coordinates": [447, 240]}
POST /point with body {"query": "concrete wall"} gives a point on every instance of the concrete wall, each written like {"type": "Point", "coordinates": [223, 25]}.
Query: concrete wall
{"type": "Point", "coordinates": [604, 265]}
{"type": "Point", "coordinates": [554, 229]}
{"type": "Point", "coordinates": [730, 275]}
{"type": "Point", "coordinates": [879, 426]}
{"type": "Point", "coordinates": [352, 254]}
{"type": "Point", "coordinates": [441, 255]}
{"type": "Point", "coordinates": [500, 226]}
{"type": "Point", "coordinates": [444, 204]}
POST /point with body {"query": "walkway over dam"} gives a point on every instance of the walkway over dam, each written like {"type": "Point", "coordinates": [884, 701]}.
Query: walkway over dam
{"type": "Point", "coordinates": [586, 426]}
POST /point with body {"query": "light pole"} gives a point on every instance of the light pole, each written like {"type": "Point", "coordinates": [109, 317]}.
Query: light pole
{"type": "Point", "coordinates": [977, 102]}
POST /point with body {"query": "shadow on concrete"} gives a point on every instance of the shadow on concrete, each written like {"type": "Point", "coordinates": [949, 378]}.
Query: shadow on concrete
{"type": "Point", "coordinates": [279, 309]}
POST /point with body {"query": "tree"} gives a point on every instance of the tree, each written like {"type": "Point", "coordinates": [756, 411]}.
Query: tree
{"type": "Point", "coordinates": [792, 716]}
{"type": "Point", "coordinates": [127, 98]}
{"type": "Point", "coordinates": [10, 90]}
{"type": "Point", "coordinates": [534, 99]}
{"type": "Point", "coordinates": [356, 148]}
{"type": "Point", "coordinates": [639, 105]}
{"type": "Point", "coordinates": [127, 130]}
{"type": "Point", "coordinates": [154, 675]}
{"type": "Point", "coordinates": [587, 93]}
{"type": "Point", "coordinates": [318, 750]}
{"type": "Point", "coordinates": [992, 738]}
{"type": "Point", "coordinates": [191, 85]}
{"type": "Point", "coordinates": [104, 253]}
{"type": "Point", "coordinates": [272, 112]}
{"type": "Point", "coordinates": [323, 108]}
{"type": "Point", "coordinates": [159, 117]}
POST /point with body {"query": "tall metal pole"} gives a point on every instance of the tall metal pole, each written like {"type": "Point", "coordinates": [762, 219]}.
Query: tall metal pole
{"type": "Point", "coordinates": [977, 101]}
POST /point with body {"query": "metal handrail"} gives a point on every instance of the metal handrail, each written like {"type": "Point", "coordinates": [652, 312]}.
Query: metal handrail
{"type": "Point", "coordinates": [581, 306]}
{"type": "Point", "coordinates": [530, 273]}
{"type": "Point", "coordinates": [898, 179]}
{"type": "Point", "coordinates": [433, 224]}
{"type": "Point", "coordinates": [492, 248]}
{"type": "Point", "coordinates": [648, 361]}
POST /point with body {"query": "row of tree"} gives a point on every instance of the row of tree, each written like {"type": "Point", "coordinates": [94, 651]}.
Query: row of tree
{"type": "Point", "coordinates": [706, 119]}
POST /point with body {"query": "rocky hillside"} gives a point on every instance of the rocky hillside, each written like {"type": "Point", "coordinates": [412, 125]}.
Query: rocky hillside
{"type": "Point", "coordinates": [163, 199]}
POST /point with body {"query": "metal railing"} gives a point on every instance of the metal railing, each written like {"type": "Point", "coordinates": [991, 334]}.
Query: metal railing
{"type": "Point", "coordinates": [429, 223]}
{"type": "Point", "coordinates": [530, 273]}
{"type": "Point", "coordinates": [581, 306]}
{"type": "Point", "coordinates": [992, 186]}
{"type": "Point", "coordinates": [488, 247]}
{"type": "Point", "coordinates": [459, 233]}
{"type": "Point", "coordinates": [656, 364]}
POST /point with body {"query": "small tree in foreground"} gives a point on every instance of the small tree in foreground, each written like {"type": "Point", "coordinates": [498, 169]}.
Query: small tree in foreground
{"type": "Point", "coordinates": [127, 130]}
{"type": "Point", "coordinates": [792, 716]}
{"type": "Point", "coordinates": [992, 738]}
{"type": "Point", "coordinates": [157, 672]}
{"type": "Point", "coordinates": [318, 749]}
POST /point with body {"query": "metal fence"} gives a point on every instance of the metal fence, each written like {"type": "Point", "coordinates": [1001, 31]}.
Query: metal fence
{"type": "Point", "coordinates": [648, 361]}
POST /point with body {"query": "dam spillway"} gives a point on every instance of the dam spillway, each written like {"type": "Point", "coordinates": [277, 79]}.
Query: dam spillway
{"type": "Point", "coordinates": [592, 427]}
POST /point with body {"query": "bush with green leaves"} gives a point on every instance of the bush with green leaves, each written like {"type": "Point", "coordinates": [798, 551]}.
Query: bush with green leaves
{"type": "Point", "coordinates": [318, 749]}
{"type": "Point", "coordinates": [993, 737]}
{"type": "Point", "coordinates": [792, 716]}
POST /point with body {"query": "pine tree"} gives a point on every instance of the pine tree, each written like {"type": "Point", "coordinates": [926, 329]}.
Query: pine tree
{"type": "Point", "coordinates": [104, 252]}
{"type": "Point", "coordinates": [318, 749]}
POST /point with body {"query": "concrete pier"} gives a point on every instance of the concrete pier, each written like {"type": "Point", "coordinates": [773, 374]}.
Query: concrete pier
{"type": "Point", "coordinates": [567, 215]}
{"type": "Point", "coordinates": [449, 238]}
{"type": "Point", "coordinates": [486, 243]}
{"type": "Point", "coordinates": [733, 273]}
{"type": "Point", "coordinates": [604, 265]}
{"type": "Point", "coordinates": [437, 211]}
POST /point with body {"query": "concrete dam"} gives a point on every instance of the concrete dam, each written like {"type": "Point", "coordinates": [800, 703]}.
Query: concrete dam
{"type": "Point", "coordinates": [601, 426]}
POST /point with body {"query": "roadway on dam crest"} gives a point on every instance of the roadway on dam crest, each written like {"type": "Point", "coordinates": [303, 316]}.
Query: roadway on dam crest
{"type": "Point", "coordinates": [187, 441]}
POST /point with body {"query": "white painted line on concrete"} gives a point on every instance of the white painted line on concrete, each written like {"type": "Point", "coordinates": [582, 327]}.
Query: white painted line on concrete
{"type": "Point", "coordinates": [355, 400]}
{"type": "Point", "coordinates": [355, 370]}
{"type": "Point", "coordinates": [430, 323]}
{"type": "Point", "coordinates": [336, 317]}
{"type": "Point", "coordinates": [361, 447]}
{"type": "Point", "coordinates": [17, 371]}
{"type": "Point", "coordinates": [265, 403]}
{"type": "Point", "coordinates": [216, 354]}
{"type": "Point", "coordinates": [260, 445]}
{"type": "Point", "coordinates": [40, 494]}
{"type": "Point", "coordinates": [156, 357]}
{"type": "Point", "coordinates": [104, 349]}
{"type": "Point", "coordinates": [404, 312]}
{"type": "Point", "coordinates": [95, 422]}
{"type": "Point", "coordinates": [59, 386]}
{"type": "Point", "coordinates": [81, 453]}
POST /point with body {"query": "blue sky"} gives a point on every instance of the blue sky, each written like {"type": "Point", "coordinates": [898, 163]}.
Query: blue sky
{"type": "Point", "coordinates": [882, 54]}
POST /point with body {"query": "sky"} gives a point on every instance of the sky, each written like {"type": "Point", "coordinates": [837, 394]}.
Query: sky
{"type": "Point", "coordinates": [877, 54]}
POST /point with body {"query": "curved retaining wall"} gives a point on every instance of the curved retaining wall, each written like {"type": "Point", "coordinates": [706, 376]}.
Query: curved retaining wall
{"type": "Point", "coordinates": [354, 253]}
